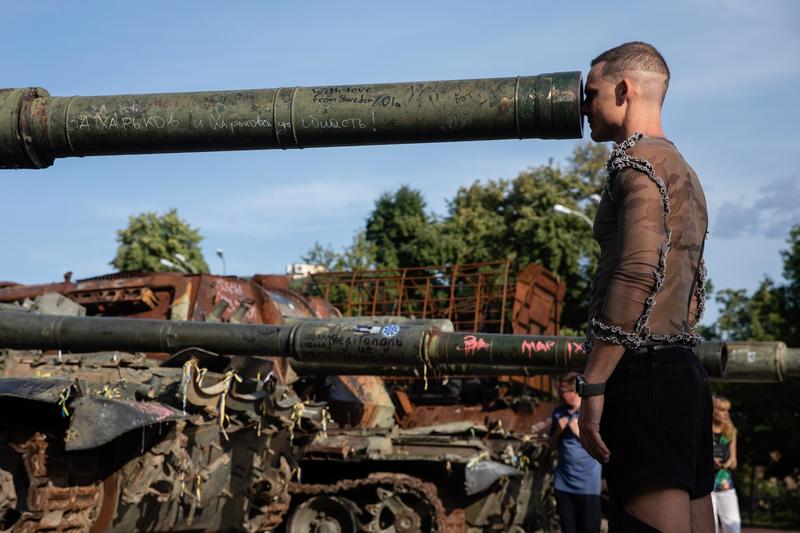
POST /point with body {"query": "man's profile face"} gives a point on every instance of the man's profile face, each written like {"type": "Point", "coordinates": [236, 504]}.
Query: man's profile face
{"type": "Point", "coordinates": [600, 106]}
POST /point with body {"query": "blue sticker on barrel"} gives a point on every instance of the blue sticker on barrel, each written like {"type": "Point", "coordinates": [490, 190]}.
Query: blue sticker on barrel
{"type": "Point", "coordinates": [390, 330]}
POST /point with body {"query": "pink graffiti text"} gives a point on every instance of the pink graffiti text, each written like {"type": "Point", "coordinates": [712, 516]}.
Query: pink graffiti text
{"type": "Point", "coordinates": [473, 344]}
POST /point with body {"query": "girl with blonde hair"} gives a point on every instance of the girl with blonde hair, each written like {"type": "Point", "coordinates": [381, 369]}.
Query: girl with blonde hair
{"type": "Point", "coordinates": [723, 498]}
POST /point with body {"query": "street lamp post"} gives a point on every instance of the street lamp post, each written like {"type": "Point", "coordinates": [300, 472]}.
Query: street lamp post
{"type": "Point", "coordinates": [221, 255]}
{"type": "Point", "coordinates": [174, 266]}
{"type": "Point", "coordinates": [182, 261]}
{"type": "Point", "coordinates": [558, 208]}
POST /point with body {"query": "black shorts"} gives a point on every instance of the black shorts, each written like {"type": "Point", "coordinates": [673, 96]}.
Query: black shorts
{"type": "Point", "coordinates": [657, 424]}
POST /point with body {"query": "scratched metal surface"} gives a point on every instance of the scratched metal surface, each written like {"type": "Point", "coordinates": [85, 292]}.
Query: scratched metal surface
{"type": "Point", "coordinates": [96, 421]}
{"type": "Point", "coordinates": [42, 390]}
{"type": "Point", "coordinates": [36, 128]}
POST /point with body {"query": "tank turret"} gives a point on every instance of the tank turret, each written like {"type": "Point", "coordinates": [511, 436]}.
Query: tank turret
{"type": "Point", "coordinates": [36, 128]}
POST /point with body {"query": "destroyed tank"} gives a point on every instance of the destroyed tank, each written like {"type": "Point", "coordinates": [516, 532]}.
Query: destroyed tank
{"type": "Point", "coordinates": [202, 441]}
{"type": "Point", "coordinates": [161, 473]}
{"type": "Point", "coordinates": [116, 441]}
{"type": "Point", "coordinates": [36, 128]}
{"type": "Point", "coordinates": [502, 425]}
{"type": "Point", "coordinates": [161, 469]}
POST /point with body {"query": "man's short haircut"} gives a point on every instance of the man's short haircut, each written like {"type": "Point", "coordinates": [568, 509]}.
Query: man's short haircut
{"type": "Point", "coordinates": [633, 56]}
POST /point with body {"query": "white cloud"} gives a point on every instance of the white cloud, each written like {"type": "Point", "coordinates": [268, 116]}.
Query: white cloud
{"type": "Point", "coordinates": [770, 212]}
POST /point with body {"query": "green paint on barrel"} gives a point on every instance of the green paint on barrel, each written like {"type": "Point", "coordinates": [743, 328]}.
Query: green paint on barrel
{"type": "Point", "coordinates": [36, 128]}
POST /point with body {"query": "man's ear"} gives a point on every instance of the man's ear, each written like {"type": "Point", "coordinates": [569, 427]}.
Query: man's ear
{"type": "Point", "coordinates": [622, 90]}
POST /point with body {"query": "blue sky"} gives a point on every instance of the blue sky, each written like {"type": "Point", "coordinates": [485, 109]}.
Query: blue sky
{"type": "Point", "coordinates": [731, 110]}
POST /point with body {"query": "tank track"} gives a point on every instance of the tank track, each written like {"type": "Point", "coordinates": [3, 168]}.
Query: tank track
{"type": "Point", "coordinates": [399, 482]}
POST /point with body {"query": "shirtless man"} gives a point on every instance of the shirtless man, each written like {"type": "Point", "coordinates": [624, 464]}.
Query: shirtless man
{"type": "Point", "coordinates": [646, 411]}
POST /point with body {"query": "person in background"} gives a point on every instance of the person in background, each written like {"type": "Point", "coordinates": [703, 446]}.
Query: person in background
{"type": "Point", "coordinates": [723, 498]}
{"type": "Point", "coordinates": [577, 481]}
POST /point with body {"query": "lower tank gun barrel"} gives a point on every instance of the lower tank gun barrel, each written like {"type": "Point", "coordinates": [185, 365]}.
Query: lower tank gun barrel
{"type": "Point", "coordinates": [751, 361]}
{"type": "Point", "coordinates": [95, 334]}
{"type": "Point", "coordinates": [335, 346]}
{"type": "Point", "coordinates": [334, 342]}
{"type": "Point", "coordinates": [36, 128]}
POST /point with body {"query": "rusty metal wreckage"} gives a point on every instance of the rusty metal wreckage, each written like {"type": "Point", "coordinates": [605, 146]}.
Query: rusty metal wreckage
{"type": "Point", "coordinates": [221, 431]}
{"type": "Point", "coordinates": [380, 431]}
{"type": "Point", "coordinates": [223, 460]}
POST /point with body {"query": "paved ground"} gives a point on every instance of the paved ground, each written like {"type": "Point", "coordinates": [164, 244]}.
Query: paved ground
{"type": "Point", "coordinates": [760, 530]}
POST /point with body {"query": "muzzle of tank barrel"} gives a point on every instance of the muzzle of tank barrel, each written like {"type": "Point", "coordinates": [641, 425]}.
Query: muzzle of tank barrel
{"type": "Point", "coordinates": [753, 362]}
{"type": "Point", "coordinates": [36, 128]}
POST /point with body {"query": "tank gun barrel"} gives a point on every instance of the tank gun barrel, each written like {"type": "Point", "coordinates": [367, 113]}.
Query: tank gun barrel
{"type": "Point", "coordinates": [336, 346]}
{"type": "Point", "coordinates": [330, 346]}
{"type": "Point", "coordinates": [332, 342]}
{"type": "Point", "coordinates": [25, 331]}
{"type": "Point", "coordinates": [754, 362]}
{"type": "Point", "coordinates": [36, 128]}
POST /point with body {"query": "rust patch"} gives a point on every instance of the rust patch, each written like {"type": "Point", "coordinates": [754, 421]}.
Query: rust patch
{"type": "Point", "coordinates": [506, 105]}
{"type": "Point", "coordinates": [53, 508]}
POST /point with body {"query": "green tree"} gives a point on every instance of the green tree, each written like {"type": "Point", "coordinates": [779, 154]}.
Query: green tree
{"type": "Point", "coordinates": [148, 238]}
{"type": "Point", "coordinates": [324, 256]}
{"type": "Point", "coordinates": [404, 233]}
{"type": "Point", "coordinates": [790, 294]}
{"type": "Point", "coordinates": [772, 312]}
{"type": "Point", "coordinates": [758, 317]}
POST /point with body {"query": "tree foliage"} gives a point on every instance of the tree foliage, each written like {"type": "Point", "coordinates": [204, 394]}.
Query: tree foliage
{"type": "Point", "coordinates": [150, 237]}
{"type": "Point", "coordinates": [404, 233]}
{"type": "Point", "coordinates": [772, 312]}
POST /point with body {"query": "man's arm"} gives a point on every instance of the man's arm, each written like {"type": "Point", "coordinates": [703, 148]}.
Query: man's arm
{"type": "Point", "coordinates": [602, 362]}
{"type": "Point", "coordinates": [642, 241]}
{"type": "Point", "coordinates": [731, 462]}
{"type": "Point", "coordinates": [641, 237]}
{"type": "Point", "coordinates": [573, 426]}
{"type": "Point", "coordinates": [556, 429]}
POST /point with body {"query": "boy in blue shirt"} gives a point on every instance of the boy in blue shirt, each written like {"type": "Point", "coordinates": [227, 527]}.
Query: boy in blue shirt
{"type": "Point", "coordinates": [577, 480]}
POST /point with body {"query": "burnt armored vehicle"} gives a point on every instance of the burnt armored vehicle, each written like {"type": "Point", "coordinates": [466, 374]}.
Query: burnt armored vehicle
{"type": "Point", "coordinates": [116, 441]}
{"type": "Point", "coordinates": [113, 441]}
{"type": "Point", "coordinates": [194, 443]}
{"type": "Point", "coordinates": [36, 128]}
{"type": "Point", "coordinates": [449, 424]}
